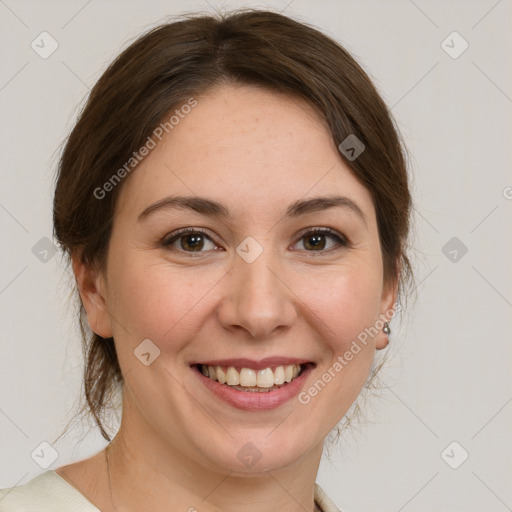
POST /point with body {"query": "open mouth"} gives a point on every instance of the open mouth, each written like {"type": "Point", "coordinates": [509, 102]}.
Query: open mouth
{"type": "Point", "coordinates": [250, 380]}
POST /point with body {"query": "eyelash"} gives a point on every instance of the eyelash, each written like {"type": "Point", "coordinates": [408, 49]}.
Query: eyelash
{"type": "Point", "coordinates": [170, 239]}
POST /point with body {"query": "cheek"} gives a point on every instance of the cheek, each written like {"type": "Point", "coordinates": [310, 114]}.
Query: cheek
{"type": "Point", "coordinates": [346, 300]}
{"type": "Point", "coordinates": [345, 304]}
{"type": "Point", "coordinates": [155, 301]}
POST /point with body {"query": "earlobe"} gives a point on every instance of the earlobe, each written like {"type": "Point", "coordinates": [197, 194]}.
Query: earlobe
{"type": "Point", "coordinates": [388, 302]}
{"type": "Point", "coordinates": [91, 286]}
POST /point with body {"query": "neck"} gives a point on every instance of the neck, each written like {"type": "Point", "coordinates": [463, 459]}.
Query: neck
{"type": "Point", "coordinates": [145, 473]}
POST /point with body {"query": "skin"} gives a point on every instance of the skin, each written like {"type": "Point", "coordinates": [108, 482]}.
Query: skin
{"type": "Point", "coordinates": [256, 152]}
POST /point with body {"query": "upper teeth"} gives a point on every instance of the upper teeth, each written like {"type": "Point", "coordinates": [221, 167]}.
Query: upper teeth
{"type": "Point", "coordinates": [248, 377]}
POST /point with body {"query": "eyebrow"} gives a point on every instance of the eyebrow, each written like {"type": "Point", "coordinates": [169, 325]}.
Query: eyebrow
{"type": "Point", "coordinates": [212, 208]}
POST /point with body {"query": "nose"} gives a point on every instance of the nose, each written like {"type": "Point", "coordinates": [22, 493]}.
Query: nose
{"type": "Point", "coordinates": [258, 299]}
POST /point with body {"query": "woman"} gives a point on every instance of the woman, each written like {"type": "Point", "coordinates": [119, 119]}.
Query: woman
{"type": "Point", "coordinates": [235, 205]}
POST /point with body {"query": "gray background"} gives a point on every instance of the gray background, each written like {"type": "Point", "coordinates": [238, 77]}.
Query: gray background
{"type": "Point", "coordinates": [449, 375]}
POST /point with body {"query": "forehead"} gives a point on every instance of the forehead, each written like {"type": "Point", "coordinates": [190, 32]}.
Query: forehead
{"type": "Point", "coordinates": [248, 148]}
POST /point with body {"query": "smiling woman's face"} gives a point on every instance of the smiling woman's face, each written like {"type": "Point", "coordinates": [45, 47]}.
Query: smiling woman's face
{"type": "Point", "coordinates": [255, 279]}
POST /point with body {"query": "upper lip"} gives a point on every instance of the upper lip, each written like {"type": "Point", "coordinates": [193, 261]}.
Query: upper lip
{"type": "Point", "coordinates": [254, 364]}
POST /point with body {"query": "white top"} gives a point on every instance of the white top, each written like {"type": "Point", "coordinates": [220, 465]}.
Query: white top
{"type": "Point", "coordinates": [49, 492]}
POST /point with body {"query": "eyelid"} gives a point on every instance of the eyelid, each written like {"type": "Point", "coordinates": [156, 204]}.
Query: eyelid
{"type": "Point", "coordinates": [343, 241]}
{"type": "Point", "coordinates": [321, 229]}
{"type": "Point", "coordinates": [168, 239]}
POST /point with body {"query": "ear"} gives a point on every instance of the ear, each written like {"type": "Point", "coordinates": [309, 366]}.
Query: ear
{"type": "Point", "coordinates": [92, 289]}
{"type": "Point", "coordinates": [387, 310]}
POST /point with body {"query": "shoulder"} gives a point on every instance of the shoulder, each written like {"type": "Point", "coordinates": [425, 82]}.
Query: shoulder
{"type": "Point", "coordinates": [323, 501]}
{"type": "Point", "coordinates": [47, 492]}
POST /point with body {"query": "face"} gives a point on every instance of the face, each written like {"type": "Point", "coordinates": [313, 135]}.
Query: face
{"type": "Point", "coordinates": [270, 278]}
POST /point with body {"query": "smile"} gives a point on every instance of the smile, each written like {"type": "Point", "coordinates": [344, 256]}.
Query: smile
{"type": "Point", "coordinates": [248, 379]}
{"type": "Point", "coordinates": [254, 385]}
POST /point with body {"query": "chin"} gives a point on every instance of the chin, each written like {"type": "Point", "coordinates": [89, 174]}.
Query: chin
{"type": "Point", "coordinates": [251, 452]}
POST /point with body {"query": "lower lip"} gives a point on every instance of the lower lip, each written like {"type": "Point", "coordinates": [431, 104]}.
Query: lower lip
{"type": "Point", "coordinates": [257, 400]}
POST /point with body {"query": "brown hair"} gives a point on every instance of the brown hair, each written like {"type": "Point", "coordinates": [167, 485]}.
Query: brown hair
{"type": "Point", "coordinates": [160, 71]}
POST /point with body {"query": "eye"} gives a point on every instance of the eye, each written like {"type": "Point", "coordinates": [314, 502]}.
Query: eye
{"type": "Point", "coordinates": [195, 240]}
{"type": "Point", "coordinates": [316, 240]}
{"type": "Point", "coordinates": [189, 240]}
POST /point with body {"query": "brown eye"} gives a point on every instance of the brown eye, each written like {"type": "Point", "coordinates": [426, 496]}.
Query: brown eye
{"type": "Point", "coordinates": [188, 240]}
{"type": "Point", "coordinates": [192, 242]}
{"type": "Point", "coordinates": [317, 240]}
